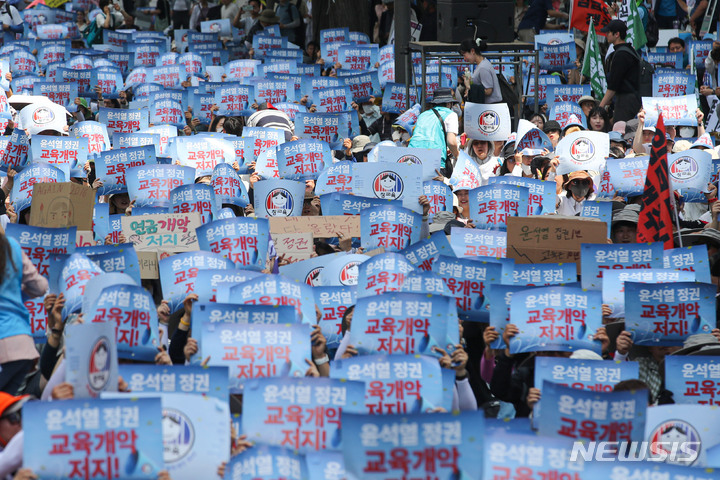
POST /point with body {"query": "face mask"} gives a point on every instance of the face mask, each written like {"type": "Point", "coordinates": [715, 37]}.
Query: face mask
{"type": "Point", "coordinates": [219, 129]}
{"type": "Point", "coordinates": [526, 169]}
{"type": "Point", "coordinates": [579, 190]}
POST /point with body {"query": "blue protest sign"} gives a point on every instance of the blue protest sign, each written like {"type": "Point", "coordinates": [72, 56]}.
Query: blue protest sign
{"type": "Point", "coordinates": [439, 195]}
{"type": "Point", "coordinates": [115, 258]}
{"type": "Point", "coordinates": [665, 59]}
{"type": "Point", "coordinates": [244, 241]}
{"type": "Point", "coordinates": [600, 210]}
{"type": "Point", "coordinates": [209, 280]}
{"type": "Point", "coordinates": [627, 175]}
{"type": "Point", "coordinates": [333, 302]}
{"type": "Point", "coordinates": [210, 381]}
{"type": "Point", "coordinates": [543, 82]}
{"type": "Point", "coordinates": [429, 159]}
{"type": "Point", "coordinates": [466, 174]}
{"type": "Point", "coordinates": [15, 154]}
{"type": "Point", "coordinates": [55, 430]}
{"type": "Point", "coordinates": [275, 290]}
{"type": "Point", "coordinates": [92, 361]}
{"type": "Point", "coordinates": [673, 84]}
{"type": "Point", "coordinates": [467, 280]}
{"type": "Point", "coordinates": [335, 178]}
{"type": "Point", "coordinates": [666, 314]}
{"type": "Point", "coordinates": [290, 109]}
{"type": "Point", "coordinates": [555, 319]}
{"type": "Point", "coordinates": [152, 184]}
{"type": "Point", "coordinates": [279, 198]}
{"type": "Point", "coordinates": [228, 187]}
{"type": "Point", "coordinates": [214, 312]}
{"type": "Point", "coordinates": [383, 273]}
{"type": "Point", "coordinates": [264, 138]}
{"type": "Point", "coordinates": [21, 194]}
{"type": "Point", "coordinates": [132, 311]}
{"type": "Point", "coordinates": [693, 379]}
{"type": "Point", "coordinates": [567, 113]}
{"type": "Point", "coordinates": [613, 283]}
{"type": "Point", "coordinates": [204, 153]}
{"type": "Point", "coordinates": [346, 204]}
{"type": "Point", "coordinates": [404, 323]}
{"type": "Point", "coordinates": [178, 273]}
{"type": "Point", "coordinates": [490, 206]}
{"type": "Point", "coordinates": [583, 150]}
{"type": "Point", "coordinates": [566, 93]}
{"type": "Point", "coordinates": [58, 150]}
{"type": "Point", "coordinates": [274, 91]}
{"type": "Point", "coordinates": [595, 258]}
{"type": "Point", "coordinates": [96, 133]}
{"type": "Point", "coordinates": [123, 120]}
{"type": "Point", "coordinates": [678, 110]}
{"type": "Point", "coordinates": [330, 128]}
{"type": "Point", "coordinates": [60, 93]}
{"type": "Point", "coordinates": [395, 99]}
{"type": "Point", "coordinates": [478, 243]}
{"type": "Point", "coordinates": [255, 350]}
{"type": "Point", "coordinates": [197, 197]}
{"type": "Point", "coordinates": [544, 274]}
{"type": "Point", "coordinates": [542, 196]}
{"type": "Point", "coordinates": [425, 282]}
{"type": "Point", "coordinates": [303, 159]}
{"type": "Point", "coordinates": [332, 99]}
{"type": "Point", "coordinates": [557, 57]}
{"type": "Point", "coordinates": [693, 259]}
{"type": "Point", "coordinates": [167, 111]}
{"type": "Point", "coordinates": [323, 398]}
{"type": "Point", "coordinates": [363, 85]}
{"type": "Point", "coordinates": [422, 254]}
{"type": "Point", "coordinates": [234, 99]}
{"type": "Point", "coordinates": [585, 414]}
{"type": "Point", "coordinates": [239, 69]}
{"type": "Point", "coordinates": [357, 57]}
{"type": "Point", "coordinates": [136, 139]}
{"type": "Point", "coordinates": [452, 439]}
{"type": "Point", "coordinates": [308, 271]}
{"type": "Point", "coordinates": [112, 165]}
{"type": "Point", "coordinates": [341, 270]}
{"type": "Point", "coordinates": [594, 375]}
{"type": "Point", "coordinates": [694, 427]}
{"type": "Point", "coordinates": [500, 297]}
{"type": "Point", "coordinates": [266, 462]}
{"type": "Point", "coordinates": [395, 383]}
{"type": "Point", "coordinates": [392, 228]}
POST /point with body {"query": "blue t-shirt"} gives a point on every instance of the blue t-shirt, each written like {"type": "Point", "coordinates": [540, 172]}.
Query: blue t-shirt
{"type": "Point", "coordinates": [666, 8]}
{"type": "Point", "coordinates": [536, 15]}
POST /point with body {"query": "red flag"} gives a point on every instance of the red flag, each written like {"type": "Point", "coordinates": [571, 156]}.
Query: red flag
{"type": "Point", "coordinates": [655, 224]}
{"type": "Point", "coordinates": [584, 10]}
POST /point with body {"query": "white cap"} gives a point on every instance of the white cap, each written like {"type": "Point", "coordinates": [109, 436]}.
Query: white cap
{"type": "Point", "coordinates": [39, 117]}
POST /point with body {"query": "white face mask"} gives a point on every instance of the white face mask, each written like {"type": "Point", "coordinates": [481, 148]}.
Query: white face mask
{"type": "Point", "coordinates": [526, 169]}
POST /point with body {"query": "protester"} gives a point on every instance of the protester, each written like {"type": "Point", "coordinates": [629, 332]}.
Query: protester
{"type": "Point", "coordinates": [438, 128]}
{"type": "Point", "coordinates": [623, 74]}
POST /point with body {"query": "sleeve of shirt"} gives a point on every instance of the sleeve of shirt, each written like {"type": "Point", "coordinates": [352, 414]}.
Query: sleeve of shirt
{"type": "Point", "coordinates": [619, 65]}
{"type": "Point", "coordinates": [487, 77]}
{"type": "Point", "coordinates": [452, 123]}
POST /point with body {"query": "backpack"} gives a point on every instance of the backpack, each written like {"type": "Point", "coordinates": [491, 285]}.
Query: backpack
{"type": "Point", "coordinates": [92, 34]}
{"type": "Point", "coordinates": [509, 95]}
{"type": "Point", "coordinates": [652, 33]}
{"type": "Point", "coordinates": [645, 74]}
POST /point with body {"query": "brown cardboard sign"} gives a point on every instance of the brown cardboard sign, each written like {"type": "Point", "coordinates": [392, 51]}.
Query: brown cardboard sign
{"type": "Point", "coordinates": [320, 227]}
{"type": "Point", "coordinates": [148, 265]}
{"type": "Point", "coordinates": [60, 205]}
{"type": "Point", "coordinates": [169, 231]}
{"type": "Point", "coordinates": [551, 238]}
{"type": "Point", "coordinates": [294, 246]}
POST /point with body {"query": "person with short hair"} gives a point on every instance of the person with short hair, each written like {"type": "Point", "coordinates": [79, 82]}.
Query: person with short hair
{"type": "Point", "coordinates": [623, 78]}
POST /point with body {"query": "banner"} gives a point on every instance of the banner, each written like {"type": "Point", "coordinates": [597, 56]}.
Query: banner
{"type": "Point", "coordinates": [666, 314]}
{"type": "Point", "coordinates": [451, 439]}
{"type": "Point", "coordinates": [244, 241]}
{"type": "Point", "coordinates": [69, 438]}
{"type": "Point", "coordinates": [255, 351]}
{"type": "Point", "coordinates": [92, 361]}
{"type": "Point", "coordinates": [555, 319]}
{"type": "Point", "coordinates": [313, 405]}
{"type": "Point", "coordinates": [595, 258]}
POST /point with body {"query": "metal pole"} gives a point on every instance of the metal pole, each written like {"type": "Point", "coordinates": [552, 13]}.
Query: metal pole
{"type": "Point", "coordinates": [402, 38]}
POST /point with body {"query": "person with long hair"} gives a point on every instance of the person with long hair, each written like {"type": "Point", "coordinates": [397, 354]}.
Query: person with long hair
{"type": "Point", "coordinates": [484, 74]}
{"type": "Point", "coordinates": [598, 120]}
{"type": "Point", "coordinates": [17, 348]}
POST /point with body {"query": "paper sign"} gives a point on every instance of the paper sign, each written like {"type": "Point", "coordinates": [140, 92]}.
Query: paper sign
{"type": "Point", "coordinates": [467, 280]}
{"type": "Point", "coordinates": [152, 184]}
{"type": "Point", "coordinates": [62, 205]}
{"type": "Point", "coordinates": [693, 379]}
{"type": "Point", "coordinates": [582, 150]}
{"type": "Point", "coordinates": [594, 375]}
{"type": "Point", "coordinates": [294, 246]}
{"type": "Point", "coordinates": [110, 168]}
{"type": "Point", "coordinates": [320, 227]}
{"type": "Point", "coordinates": [148, 263]}
{"type": "Point", "coordinates": [492, 205]}
{"type": "Point", "coordinates": [389, 227]}
{"type": "Point", "coordinates": [244, 241]}
{"type": "Point", "coordinates": [487, 122]}
{"type": "Point", "coordinates": [174, 231]}
{"type": "Point", "coordinates": [383, 273]}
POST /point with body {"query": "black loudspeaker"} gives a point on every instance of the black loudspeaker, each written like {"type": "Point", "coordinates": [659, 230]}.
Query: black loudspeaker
{"type": "Point", "coordinates": [460, 19]}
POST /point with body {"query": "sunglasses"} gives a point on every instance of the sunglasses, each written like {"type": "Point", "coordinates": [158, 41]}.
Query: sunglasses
{"type": "Point", "coordinates": [581, 182]}
{"type": "Point", "coordinates": [14, 418]}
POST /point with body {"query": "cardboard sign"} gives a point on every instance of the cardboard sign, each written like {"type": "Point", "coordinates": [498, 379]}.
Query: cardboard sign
{"type": "Point", "coordinates": [548, 239]}
{"type": "Point", "coordinates": [148, 262]}
{"type": "Point", "coordinates": [320, 227]}
{"type": "Point", "coordinates": [62, 205]}
{"type": "Point", "coordinates": [170, 230]}
{"type": "Point", "coordinates": [295, 246]}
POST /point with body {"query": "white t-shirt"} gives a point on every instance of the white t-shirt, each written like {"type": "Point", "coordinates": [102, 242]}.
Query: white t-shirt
{"type": "Point", "coordinates": [10, 15]}
{"type": "Point", "coordinates": [452, 123]}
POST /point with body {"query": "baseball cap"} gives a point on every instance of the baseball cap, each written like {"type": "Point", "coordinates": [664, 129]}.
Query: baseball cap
{"type": "Point", "coordinates": [10, 403]}
{"type": "Point", "coordinates": [551, 125]}
{"type": "Point", "coordinates": [615, 26]}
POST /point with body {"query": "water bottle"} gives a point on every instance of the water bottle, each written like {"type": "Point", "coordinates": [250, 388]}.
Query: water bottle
{"type": "Point", "coordinates": [707, 79]}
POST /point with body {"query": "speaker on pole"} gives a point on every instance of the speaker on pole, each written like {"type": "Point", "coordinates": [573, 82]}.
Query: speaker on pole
{"type": "Point", "coordinates": [460, 19]}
